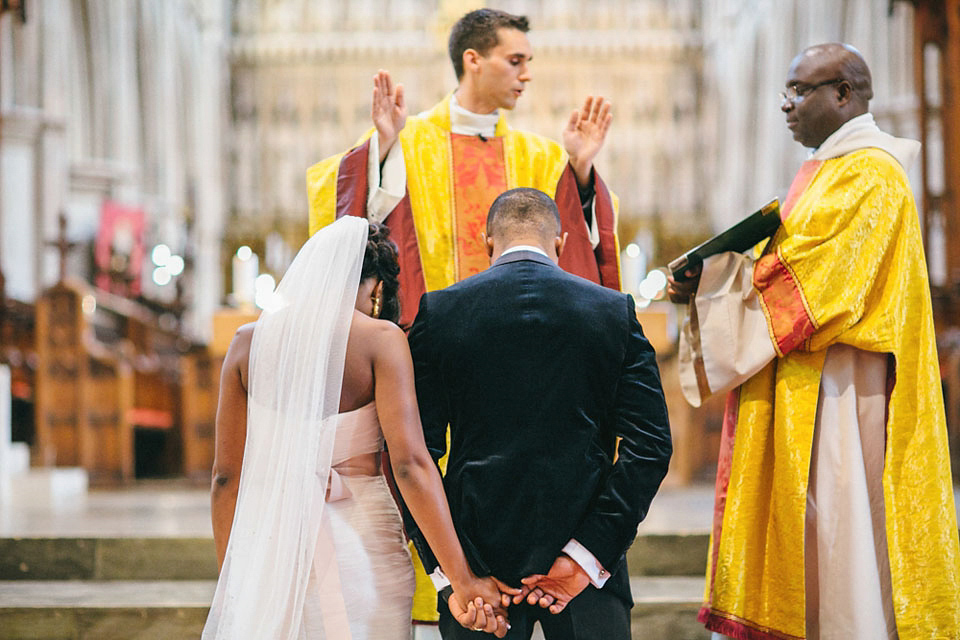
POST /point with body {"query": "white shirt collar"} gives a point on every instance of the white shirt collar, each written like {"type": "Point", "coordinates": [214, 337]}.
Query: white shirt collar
{"type": "Point", "coordinates": [525, 247]}
{"type": "Point", "coordinates": [469, 123]}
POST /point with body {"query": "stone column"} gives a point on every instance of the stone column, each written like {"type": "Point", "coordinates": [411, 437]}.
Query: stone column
{"type": "Point", "coordinates": [18, 201]}
{"type": "Point", "coordinates": [125, 108]}
{"type": "Point", "coordinates": [170, 94]}
{"type": "Point", "coordinates": [53, 165]}
{"type": "Point", "coordinates": [210, 114]}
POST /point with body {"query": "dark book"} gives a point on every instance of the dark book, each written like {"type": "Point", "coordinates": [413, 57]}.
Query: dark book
{"type": "Point", "coordinates": [747, 233]}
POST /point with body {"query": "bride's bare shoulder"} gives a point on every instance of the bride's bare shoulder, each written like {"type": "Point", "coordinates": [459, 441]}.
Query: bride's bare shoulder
{"type": "Point", "coordinates": [373, 331]}
{"type": "Point", "coordinates": [240, 345]}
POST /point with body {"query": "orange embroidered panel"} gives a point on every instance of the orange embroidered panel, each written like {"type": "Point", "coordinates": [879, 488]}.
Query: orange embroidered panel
{"type": "Point", "coordinates": [800, 183]}
{"type": "Point", "coordinates": [479, 176]}
{"type": "Point", "coordinates": [783, 302]}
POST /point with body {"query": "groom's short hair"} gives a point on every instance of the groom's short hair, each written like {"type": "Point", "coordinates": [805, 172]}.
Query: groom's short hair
{"type": "Point", "coordinates": [523, 211]}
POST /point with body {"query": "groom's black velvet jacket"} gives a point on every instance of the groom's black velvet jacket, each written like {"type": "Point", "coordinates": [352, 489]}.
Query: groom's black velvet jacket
{"type": "Point", "coordinates": [537, 373]}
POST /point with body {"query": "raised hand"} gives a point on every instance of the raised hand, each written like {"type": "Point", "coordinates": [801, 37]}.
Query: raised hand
{"type": "Point", "coordinates": [564, 582]}
{"type": "Point", "coordinates": [477, 616]}
{"type": "Point", "coordinates": [387, 110]}
{"type": "Point", "coordinates": [584, 135]}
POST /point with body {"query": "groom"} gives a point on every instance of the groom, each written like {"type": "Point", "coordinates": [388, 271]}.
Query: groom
{"type": "Point", "coordinates": [558, 428]}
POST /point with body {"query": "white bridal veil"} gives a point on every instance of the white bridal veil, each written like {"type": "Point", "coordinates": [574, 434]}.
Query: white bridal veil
{"type": "Point", "coordinates": [295, 375]}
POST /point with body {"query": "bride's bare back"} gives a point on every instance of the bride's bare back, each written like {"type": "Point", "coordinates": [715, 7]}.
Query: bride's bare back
{"type": "Point", "coordinates": [358, 379]}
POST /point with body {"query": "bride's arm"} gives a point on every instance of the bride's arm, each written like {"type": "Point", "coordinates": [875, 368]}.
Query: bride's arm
{"type": "Point", "coordinates": [231, 435]}
{"type": "Point", "coordinates": [415, 473]}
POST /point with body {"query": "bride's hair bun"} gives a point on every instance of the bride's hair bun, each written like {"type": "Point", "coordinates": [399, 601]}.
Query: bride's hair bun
{"type": "Point", "coordinates": [380, 261]}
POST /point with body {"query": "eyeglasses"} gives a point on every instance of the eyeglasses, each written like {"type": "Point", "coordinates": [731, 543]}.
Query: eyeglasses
{"type": "Point", "coordinates": [794, 95]}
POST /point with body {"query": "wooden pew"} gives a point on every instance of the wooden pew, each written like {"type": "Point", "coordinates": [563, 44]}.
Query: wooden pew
{"type": "Point", "coordinates": [121, 392]}
{"type": "Point", "coordinates": [199, 388]}
{"type": "Point", "coordinates": [153, 352]}
{"type": "Point", "coordinates": [84, 389]}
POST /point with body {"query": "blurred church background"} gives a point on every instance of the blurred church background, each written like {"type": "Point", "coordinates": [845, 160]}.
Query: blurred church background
{"type": "Point", "coordinates": [152, 185]}
{"type": "Point", "coordinates": [153, 157]}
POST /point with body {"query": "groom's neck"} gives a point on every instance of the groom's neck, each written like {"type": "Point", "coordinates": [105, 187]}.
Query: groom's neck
{"type": "Point", "coordinates": [499, 247]}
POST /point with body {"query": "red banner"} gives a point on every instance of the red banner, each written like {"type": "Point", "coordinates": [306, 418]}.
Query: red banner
{"type": "Point", "coordinates": [118, 253]}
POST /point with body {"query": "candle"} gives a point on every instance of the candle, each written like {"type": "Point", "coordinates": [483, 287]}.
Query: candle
{"type": "Point", "coordinates": [246, 268]}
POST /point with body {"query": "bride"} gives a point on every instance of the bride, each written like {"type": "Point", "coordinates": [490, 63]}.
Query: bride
{"type": "Point", "coordinates": [308, 537]}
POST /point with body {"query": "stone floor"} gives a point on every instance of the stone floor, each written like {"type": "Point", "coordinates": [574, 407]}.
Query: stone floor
{"type": "Point", "coordinates": [139, 563]}
{"type": "Point", "coordinates": [159, 509]}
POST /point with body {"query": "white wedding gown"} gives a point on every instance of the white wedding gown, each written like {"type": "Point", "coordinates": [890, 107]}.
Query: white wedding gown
{"type": "Point", "coordinates": [300, 565]}
{"type": "Point", "coordinates": [375, 571]}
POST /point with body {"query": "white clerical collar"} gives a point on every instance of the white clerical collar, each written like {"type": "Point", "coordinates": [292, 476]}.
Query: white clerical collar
{"type": "Point", "coordinates": [469, 123]}
{"type": "Point", "coordinates": [525, 247]}
{"type": "Point", "coordinates": [862, 132]}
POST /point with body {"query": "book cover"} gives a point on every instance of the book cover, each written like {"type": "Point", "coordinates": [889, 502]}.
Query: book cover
{"type": "Point", "coordinates": [742, 236]}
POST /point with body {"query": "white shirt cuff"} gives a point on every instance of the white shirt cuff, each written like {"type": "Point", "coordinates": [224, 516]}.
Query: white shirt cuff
{"type": "Point", "coordinates": [439, 580]}
{"type": "Point", "coordinates": [588, 562]}
{"type": "Point", "coordinates": [579, 553]}
{"type": "Point", "coordinates": [388, 189]}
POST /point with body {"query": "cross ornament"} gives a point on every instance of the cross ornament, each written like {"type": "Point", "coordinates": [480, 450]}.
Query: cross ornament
{"type": "Point", "coordinates": [62, 245]}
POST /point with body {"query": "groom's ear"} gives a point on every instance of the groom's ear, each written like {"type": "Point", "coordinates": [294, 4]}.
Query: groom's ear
{"type": "Point", "coordinates": [488, 244]}
{"type": "Point", "coordinates": [560, 242]}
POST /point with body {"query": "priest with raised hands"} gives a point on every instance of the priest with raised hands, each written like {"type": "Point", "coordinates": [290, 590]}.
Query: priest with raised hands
{"type": "Point", "coordinates": [432, 177]}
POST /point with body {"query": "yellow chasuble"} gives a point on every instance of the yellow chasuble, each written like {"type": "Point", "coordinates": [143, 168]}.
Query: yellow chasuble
{"type": "Point", "coordinates": [450, 214]}
{"type": "Point", "coordinates": [846, 267]}
{"type": "Point", "coordinates": [451, 182]}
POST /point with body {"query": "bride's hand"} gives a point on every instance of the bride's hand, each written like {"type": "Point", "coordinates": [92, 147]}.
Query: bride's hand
{"type": "Point", "coordinates": [477, 616]}
{"type": "Point", "coordinates": [491, 592]}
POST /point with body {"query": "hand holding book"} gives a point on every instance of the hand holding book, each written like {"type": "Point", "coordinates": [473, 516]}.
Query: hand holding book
{"type": "Point", "coordinates": [740, 237]}
{"type": "Point", "coordinates": [685, 270]}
